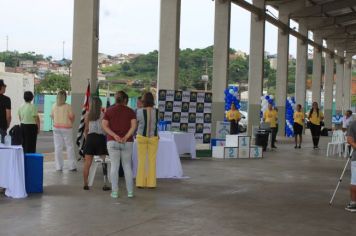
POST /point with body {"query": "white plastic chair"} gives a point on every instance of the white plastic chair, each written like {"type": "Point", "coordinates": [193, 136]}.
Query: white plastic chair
{"type": "Point", "coordinates": [97, 161]}
{"type": "Point", "coordinates": [337, 142]}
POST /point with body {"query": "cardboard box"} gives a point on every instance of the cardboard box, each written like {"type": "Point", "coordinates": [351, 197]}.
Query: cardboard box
{"type": "Point", "coordinates": [217, 142]}
{"type": "Point", "coordinates": [256, 152]}
{"type": "Point", "coordinates": [244, 141]}
{"type": "Point", "coordinates": [230, 152]}
{"type": "Point", "coordinates": [232, 140]}
{"type": "Point", "coordinates": [244, 153]}
{"type": "Point", "coordinates": [218, 152]}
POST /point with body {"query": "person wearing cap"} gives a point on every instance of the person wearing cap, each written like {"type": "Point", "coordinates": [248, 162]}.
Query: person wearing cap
{"type": "Point", "coordinates": [5, 111]}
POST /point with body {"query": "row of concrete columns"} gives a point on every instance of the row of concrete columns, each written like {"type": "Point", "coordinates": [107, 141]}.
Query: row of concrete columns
{"type": "Point", "coordinates": [85, 49]}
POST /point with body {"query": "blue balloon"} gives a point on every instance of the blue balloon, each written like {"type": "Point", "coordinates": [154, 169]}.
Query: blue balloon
{"type": "Point", "coordinates": [267, 97]}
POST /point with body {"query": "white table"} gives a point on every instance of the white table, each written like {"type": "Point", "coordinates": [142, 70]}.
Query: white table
{"type": "Point", "coordinates": [168, 163]}
{"type": "Point", "coordinates": [12, 171]}
{"type": "Point", "coordinates": [185, 142]}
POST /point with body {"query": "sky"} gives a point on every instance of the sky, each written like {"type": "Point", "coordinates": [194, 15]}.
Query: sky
{"type": "Point", "coordinates": [126, 26]}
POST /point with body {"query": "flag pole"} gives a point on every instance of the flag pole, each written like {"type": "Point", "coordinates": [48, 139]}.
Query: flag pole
{"type": "Point", "coordinates": [80, 134]}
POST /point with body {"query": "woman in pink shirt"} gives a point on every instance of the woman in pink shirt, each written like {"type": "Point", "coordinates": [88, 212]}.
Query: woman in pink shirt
{"type": "Point", "coordinates": [63, 119]}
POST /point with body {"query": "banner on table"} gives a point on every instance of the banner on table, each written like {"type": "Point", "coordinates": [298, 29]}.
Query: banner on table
{"type": "Point", "coordinates": [188, 112]}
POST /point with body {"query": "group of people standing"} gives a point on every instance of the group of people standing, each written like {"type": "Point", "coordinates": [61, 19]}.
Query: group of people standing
{"type": "Point", "coordinates": [28, 116]}
{"type": "Point", "coordinates": [107, 132]}
{"type": "Point", "coordinates": [111, 132]}
{"type": "Point", "coordinates": [270, 116]}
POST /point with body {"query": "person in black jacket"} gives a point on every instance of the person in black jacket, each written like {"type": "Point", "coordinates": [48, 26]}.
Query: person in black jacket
{"type": "Point", "coordinates": [5, 111]}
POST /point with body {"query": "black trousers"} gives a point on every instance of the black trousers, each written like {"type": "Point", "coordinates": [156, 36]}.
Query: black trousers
{"type": "Point", "coordinates": [234, 127]}
{"type": "Point", "coordinates": [315, 131]}
{"type": "Point", "coordinates": [29, 137]}
{"type": "Point", "coordinates": [2, 134]}
{"type": "Point", "coordinates": [274, 135]}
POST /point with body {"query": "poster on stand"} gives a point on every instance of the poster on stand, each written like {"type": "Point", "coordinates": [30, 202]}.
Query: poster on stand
{"type": "Point", "coordinates": [187, 111]}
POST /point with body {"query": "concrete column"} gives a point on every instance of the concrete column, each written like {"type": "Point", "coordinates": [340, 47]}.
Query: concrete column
{"type": "Point", "coordinates": [169, 44]}
{"type": "Point", "coordinates": [220, 59]}
{"type": "Point", "coordinates": [347, 82]}
{"type": "Point", "coordinates": [282, 72]}
{"type": "Point", "coordinates": [329, 87]}
{"type": "Point", "coordinates": [256, 67]}
{"type": "Point", "coordinates": [85, 53]}
{"type": "Point", "coordinates": [316, 82]}
{"type": "Point", "coordinates": [301, 67]}
{"type": "Point", "coordinates": [339, 81]}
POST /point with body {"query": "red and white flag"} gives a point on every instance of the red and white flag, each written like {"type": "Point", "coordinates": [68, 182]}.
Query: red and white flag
{"type": "Point", "coordinates": [80, 140]}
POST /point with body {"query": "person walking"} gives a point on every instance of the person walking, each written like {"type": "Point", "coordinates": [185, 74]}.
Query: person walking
{"type": "Point", "coordinates": [351, 139]}
{"type": "Point", "coordinates": [315, 117]}
{"type": "Point", "coordinates": [147, 143]}
{"type": "Point", "coordinates": [30, 123]}
{"type": "Point", "coordinates": [95, 144]}
{"type": "Point", "coordinates": [233, 115]}
{"type": "Point", "coordinates": [63, 119]}
{"type": "Point", "coordinates": [271, 116]}
{"type": "Point", "coordinates": [298, 125]}
{"type": "Point", "coordinates": [119, 123]}
{"type": "Point", "coordinates": [5, 111]}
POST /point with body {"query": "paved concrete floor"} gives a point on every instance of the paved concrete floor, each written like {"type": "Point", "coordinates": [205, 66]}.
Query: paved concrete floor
{"type": "Point", "coordinates": [286, 193]}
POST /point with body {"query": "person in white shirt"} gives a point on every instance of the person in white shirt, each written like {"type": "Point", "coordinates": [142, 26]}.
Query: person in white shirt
{"type": "Point", "coordinates": [346, 120]}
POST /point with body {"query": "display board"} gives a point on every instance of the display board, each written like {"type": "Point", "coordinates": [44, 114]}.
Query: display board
{"type": "Point", "coordinates": [187, 111]}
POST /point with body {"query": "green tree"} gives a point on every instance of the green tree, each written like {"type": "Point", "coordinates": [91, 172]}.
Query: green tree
{"type": "Point", "coordinates": [52, 83]}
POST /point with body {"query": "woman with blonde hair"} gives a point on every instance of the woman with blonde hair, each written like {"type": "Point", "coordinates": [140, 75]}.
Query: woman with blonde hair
{"type": "Point", "coordinates": [95, 141]}
{"type": "Point", "coordinates": [63, 119]}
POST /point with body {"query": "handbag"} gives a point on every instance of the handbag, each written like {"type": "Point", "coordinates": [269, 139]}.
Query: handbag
{"type": "Point", "coordinates": [16, 135]}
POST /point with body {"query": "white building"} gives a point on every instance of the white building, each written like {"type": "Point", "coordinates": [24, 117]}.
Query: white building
{"type": "Point", "coordinates": [17, 84]}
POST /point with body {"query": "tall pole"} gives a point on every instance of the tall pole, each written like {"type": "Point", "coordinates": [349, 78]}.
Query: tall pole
{"type": "Point", "coordinates": [63, 49]}
{"type": "Point", "coordinates": [7, 43]}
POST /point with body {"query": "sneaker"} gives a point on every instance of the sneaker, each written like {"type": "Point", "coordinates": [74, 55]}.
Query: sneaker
{"type": "Point", "coordinates": [130, 195]}
{"type": "Point", "coordinates": [295, 146]}
{"type": "Point", "coordinates": [73, 170]}
{"type": "Point", "coordinates": [274, 147]}
{"type": "Point", "coordinates": [114, 194]}
{"type": "Point", "coordinates": [350, 208]}
{"type": "Point", "coordinates": [86, 187]}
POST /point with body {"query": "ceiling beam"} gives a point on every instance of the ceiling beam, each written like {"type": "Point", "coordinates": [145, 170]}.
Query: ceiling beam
{"type": "Point", "coordinates": [319, 10]}
{"type": "Point", "coordinates": [261, 13]}
{"type": "Point", "coordinates": [337, 31]}
{"type": "Point", "coordinates": [346, 44]}
{"type": "Point", "coordinates": [322, 22]}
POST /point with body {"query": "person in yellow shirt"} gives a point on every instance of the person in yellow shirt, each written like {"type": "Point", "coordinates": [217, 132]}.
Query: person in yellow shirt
{"type": "Point", "coordinates": [271, 116]}
{"type": "Point", "coordinates": [233, 115]}
{"type": "Point", "coordinates": [315, 117]}
{"type": "Point", "coordinates": [298, 125]}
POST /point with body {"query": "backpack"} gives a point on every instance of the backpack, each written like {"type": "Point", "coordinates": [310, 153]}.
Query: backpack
{"type": "Point", "coordinates": [16, 135]}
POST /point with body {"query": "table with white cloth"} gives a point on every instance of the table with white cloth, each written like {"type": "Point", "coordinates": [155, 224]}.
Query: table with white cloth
{"type": "Point", "coordinates": [12, 171]}
{"type": "Point", "coordinates": [185, 142]}
{"type": "Point", "coordinates": [168, 163]}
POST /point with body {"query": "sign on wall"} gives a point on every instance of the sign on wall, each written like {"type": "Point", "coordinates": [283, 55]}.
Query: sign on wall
{"type": "Point", "coordinates": [188, 112]}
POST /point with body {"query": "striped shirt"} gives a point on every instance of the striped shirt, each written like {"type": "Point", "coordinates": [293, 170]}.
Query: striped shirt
{"type": "Point", "coordinates": [147, 122]}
